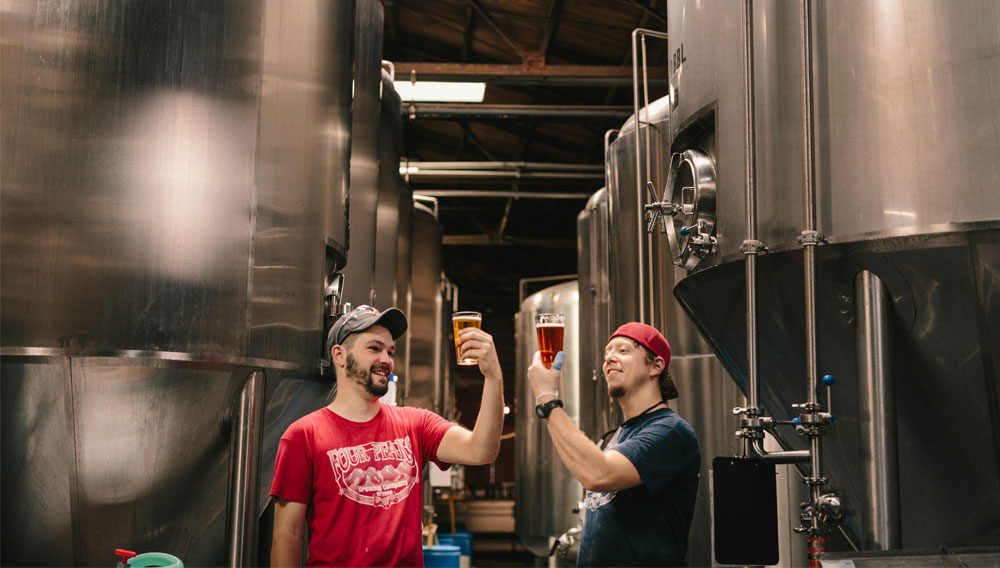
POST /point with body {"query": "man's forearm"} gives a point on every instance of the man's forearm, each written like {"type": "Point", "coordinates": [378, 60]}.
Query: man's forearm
{"type": "Point", "coordinates": [581, 456]}
{"type": "Point", "coordinates": [286, 550]}
{"type": "Point", "coordinates": [489, 422]}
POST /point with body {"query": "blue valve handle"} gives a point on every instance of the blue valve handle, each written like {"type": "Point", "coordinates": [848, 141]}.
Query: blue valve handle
{"type": "Point", "coordinates": [828, 380]}
{"type": "Point", "coordinates": [685, 231]}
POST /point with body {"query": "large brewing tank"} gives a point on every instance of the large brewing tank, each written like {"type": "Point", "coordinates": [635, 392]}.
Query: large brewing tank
{"type": "Point", "coordinates": [547, 494]}
{"type": "Point", "coordinates": [173, 176]}
{"type": "Point", "coordinates": [638, 258]}
{"type": "Point", "coordinates": [366, 127]}
{"type": "Point", "coordinates": [394, 215]}
{"type": "Point", "coordinates": [706, 392]}
{"type": "Point", "coordinates": [430, 383]}
{"type": "Point", "coordinates": [906, 175]}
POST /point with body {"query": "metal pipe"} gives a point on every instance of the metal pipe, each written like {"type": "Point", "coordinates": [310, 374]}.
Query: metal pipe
{"type": "Point", "coordinates": [791, 456]}
{"type": "Point", "coordinates": [505, 174]}
{"type": "Point", "coordinates": [448, 111]}
{"type": "Point", "coordinates": [494, 194]}
{"type": "Point", "coordinates": [433, 207]}
{"type": "Point", "coordinates": [809, 198]}
{"type": "Point", "coordinates": [639, 182]}
{"type": "Point", "coordinates": [810, 239]}
{"type": "Point", "coordinates": [244, 473]}
{"type": "Point", "coordinates": [751, 245]}
{"type": "Point", "coordinates": [414, 166]}
{"type": "Point", "coordinates": [877, 413]}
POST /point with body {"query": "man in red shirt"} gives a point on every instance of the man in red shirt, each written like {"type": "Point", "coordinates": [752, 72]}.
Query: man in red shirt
{"type": "Point", "coordinates": [352, 470]}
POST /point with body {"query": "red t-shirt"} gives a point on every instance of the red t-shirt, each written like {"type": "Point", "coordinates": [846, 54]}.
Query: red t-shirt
{"type": "Point", "coordinates": [361, 482]}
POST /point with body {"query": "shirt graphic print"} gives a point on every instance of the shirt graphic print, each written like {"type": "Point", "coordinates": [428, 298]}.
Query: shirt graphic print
{"type": "Point", "coordinates": [377, 474]}
{"type": "Point", "coordinates": [596, 499]}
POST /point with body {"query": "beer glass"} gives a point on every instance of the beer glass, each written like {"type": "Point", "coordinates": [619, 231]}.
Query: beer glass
{"type": "Point", "coordinates": [460, 321]}
{"type": "Point", "coordinates": [550, 329]}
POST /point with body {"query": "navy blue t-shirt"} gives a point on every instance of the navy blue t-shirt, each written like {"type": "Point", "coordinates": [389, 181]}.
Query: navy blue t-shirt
{"type": "Point", "coordinates": [646, 525]}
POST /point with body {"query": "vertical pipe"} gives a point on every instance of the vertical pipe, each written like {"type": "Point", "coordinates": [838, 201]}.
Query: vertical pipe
{"type": "Point", "coordinates": [640, 191]}
{"type": "Point", "coordinates": [877, 414]}
{"type": "Point", "coordinates": [810, 240]}
{"type": "Point", "coordinates": [750, 249]}
{"type": "Point", "coordinates": [809, 197]}
{"type": "Point", "coordinates": [244, 470]}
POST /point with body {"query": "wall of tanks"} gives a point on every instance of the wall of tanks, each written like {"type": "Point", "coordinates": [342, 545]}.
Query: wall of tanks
{"type": "Point", "coordinates": [176, 180]}
{"type": "Point", "coordinates": [906, 172]}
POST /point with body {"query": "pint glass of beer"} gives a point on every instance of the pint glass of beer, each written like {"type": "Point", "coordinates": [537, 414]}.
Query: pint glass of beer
{"type": "Point", "coordinates": [550, 329]}
{"type": "Point", "coordinates": [460, 321]}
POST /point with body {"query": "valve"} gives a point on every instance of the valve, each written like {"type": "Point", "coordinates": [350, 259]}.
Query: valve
{"type": "Point", "coordinates": [125, 554]}
{"type": "Point", "coordinates": [828, 380]}
{"type": "Point", "coordinates": [658, 209]}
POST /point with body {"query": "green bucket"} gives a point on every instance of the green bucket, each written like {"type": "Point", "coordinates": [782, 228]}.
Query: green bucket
{"type": "Point", "coordinates": [161, 559]}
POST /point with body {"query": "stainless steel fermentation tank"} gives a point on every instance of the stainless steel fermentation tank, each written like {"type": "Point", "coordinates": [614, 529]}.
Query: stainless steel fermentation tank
{"type": "Point", "coordinates": [906, 152]}
{"type": "Point", "coordinates": [174, 196]}
{"type": "Point", "coordinates": [547, 493]}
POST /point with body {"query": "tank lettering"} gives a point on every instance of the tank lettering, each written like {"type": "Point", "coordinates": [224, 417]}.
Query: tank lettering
{"type": "Point", "coordinates": [678, 58]}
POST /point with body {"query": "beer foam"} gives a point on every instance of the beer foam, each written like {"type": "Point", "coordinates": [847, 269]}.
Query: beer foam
{"type": "Point", "coordinates": [550, 325]}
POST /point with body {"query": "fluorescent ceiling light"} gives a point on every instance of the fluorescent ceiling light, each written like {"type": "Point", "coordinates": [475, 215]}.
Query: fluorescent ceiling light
{"type": "Point", "coordinates": [440, 92]}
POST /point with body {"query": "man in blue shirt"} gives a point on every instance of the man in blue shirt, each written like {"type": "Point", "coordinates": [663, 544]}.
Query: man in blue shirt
{"type": "Point", "coordinates": [641, 488]}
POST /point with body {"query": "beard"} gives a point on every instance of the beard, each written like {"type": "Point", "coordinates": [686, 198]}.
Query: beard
{"type": "Point", "coordinates": [616, 392]}
{"type": "Point", "coordinates": [365, 378]}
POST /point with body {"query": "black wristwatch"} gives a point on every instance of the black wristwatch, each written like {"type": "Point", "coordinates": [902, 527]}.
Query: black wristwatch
{"type": "Point", "coordinates": [543, 410]}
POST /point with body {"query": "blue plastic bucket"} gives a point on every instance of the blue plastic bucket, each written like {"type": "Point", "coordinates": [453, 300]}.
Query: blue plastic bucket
{"type": "Point", "coordinates": [442, 556]}
{"type": "Point", "coordinates": [461, 539]}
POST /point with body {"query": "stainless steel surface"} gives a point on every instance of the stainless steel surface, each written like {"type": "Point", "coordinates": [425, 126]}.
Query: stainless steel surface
{"type": "Point", "coordinates": [173, 176]}
{"type": "Point", "coordinates": [547, 492]}
{"type": "Point", "coordinates": [244, 470]}
{"type": "Point", "coordinates": [393, 236]}
{"type": "Point", "coordinates": [905, 176]}
{"type": "Point", "coordinates": [944, 356]}
{"type": "Point", "coordinates": [598, 413]}
{"type": "Point", "coordinates": [628, 240]}
{"type": "Point", "coordinates": [897, 125]}
{"type": "Point", "coordinates": [431, 353]}
{"type": "Point", "coordinates": [359, 274]}
{"type": "Point", "coordinates": [877, 413]}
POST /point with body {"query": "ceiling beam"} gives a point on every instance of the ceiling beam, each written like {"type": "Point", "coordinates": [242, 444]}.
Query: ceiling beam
{"type": "Point", "coordinates": [488, 240]}
{"type": "Point", "coordinates": [512, 74]}
{"type": "Point", "coordinates": [496, 27]}
{"type": "Point", "coordinates": [551, 113]}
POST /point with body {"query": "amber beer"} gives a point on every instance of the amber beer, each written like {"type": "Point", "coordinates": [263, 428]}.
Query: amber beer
{"type": "Point", "coordinates": [550, 329]}
{"type": "Point", "coordinates": [460, 321]}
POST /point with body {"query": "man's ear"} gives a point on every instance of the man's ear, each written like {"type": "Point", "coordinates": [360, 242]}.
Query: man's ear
{"type": "Point", "coordinates": [658, 365]}
{"type": "Point", "coordinates": [338, 356]}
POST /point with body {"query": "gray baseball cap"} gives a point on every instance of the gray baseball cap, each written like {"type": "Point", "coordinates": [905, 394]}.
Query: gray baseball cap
{"type": "Point", "coordinates": [362, 318]}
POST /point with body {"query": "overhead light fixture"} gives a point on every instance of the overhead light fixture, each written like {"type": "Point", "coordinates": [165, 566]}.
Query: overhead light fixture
{"type": "Point", "coordinates": [440, 92]}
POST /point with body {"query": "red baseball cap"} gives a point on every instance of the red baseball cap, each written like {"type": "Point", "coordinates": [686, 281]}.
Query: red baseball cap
{"type": "Point", "coordinates": [647, 336]}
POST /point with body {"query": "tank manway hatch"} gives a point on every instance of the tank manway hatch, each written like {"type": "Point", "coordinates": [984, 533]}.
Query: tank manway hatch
{"type": "Point", "coordinates": [686, 211]}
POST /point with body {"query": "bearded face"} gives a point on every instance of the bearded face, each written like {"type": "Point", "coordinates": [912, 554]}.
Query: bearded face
{"type": "Point", "coordinates": [367, 377]}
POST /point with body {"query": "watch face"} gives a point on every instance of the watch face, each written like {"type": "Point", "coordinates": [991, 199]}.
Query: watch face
{"type": "Point", "coordinates": [541, 411]}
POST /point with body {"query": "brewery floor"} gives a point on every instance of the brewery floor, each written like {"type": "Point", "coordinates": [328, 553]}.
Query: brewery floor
{"type": "Point", "coordinates": [499, 549]}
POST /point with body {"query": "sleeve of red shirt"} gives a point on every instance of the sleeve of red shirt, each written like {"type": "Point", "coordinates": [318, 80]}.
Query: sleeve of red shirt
{"type": "Point", "coordinates": [433, 430]}
{"type": "Point", "coordinates": [293, 467]}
